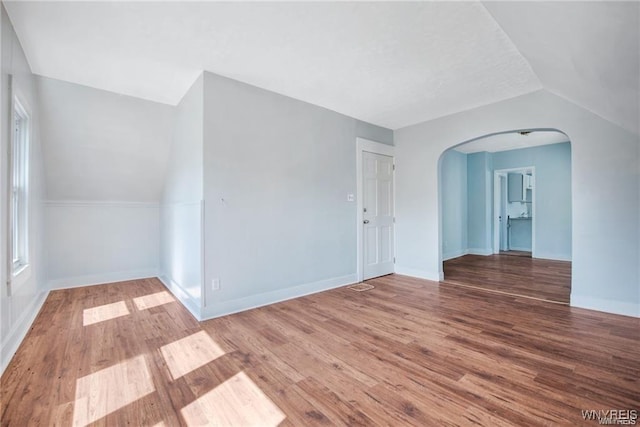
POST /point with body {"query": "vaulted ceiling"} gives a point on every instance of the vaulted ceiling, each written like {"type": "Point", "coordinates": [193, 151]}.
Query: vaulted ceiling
{"type": "Point", "coordinates": [392, 64]}
{"type": "Point", "coordinates": [587, 52]}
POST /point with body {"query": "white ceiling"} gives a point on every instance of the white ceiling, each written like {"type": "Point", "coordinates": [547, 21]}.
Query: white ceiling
{"type": "Point", "coordinates": [392, 64]}
{"type": "Point", "coordinates": [512, 141]}
{"type": "Point", "coordinates": [389, 63]}
{"type": "Point", "coordinates": [587, 52]}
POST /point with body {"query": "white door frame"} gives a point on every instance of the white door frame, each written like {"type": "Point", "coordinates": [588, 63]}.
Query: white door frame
{"type": "Point", "coordinates": [496, 206]}
{"type": "Point", "coordinates": [370, 146]}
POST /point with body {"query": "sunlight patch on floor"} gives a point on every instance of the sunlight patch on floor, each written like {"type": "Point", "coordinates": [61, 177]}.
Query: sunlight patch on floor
{"type": "Point", "coordinates": [190, 353]}
{"type": "Point", "coordinates": [110, 389]}
{"type": "Point", "coordinates": [236, 402]}
{"type": "Point", "coordinates": [104, 312]}
{"type": "Point", "coordinates": [153, 300]}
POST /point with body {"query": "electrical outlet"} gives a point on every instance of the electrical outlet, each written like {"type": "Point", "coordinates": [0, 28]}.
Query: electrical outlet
{"type": "Point", "coordinates": [215, 284]}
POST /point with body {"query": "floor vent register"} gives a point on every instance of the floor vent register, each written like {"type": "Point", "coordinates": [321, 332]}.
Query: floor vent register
{"type": "Point", "coordinates": [361, 287]}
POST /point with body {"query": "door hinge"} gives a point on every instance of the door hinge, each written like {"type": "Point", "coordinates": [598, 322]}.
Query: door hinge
{"type": "Point", "coordinates": [394, 219]}
{"type": "Point", "coordinates": [394, 260]}
{"type": "Point", "coordinates": [394, 167]}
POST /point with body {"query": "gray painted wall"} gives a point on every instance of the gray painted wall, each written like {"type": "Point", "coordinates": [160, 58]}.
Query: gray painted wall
{"type": "Point", "coordinates": [18, 310]}
{"type": "Point", "coordinates": [605, 186]}
{"type": "Point", "coordinates": [181, 211]}
{"type": "Point", "coordinates": [183, 179]}
{"type": "Point", "coordinates": [99, 145]}
{"type": "Point", "coordinates": [277, 172]}
{"type": "Point", "coordinates": [90, 243]}
{"type": "Point", "coordinates": [106, 157]}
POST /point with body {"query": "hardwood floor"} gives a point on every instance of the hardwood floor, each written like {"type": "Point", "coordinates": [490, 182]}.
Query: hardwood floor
{"type": "Point", "coordinates": [517, 275]}
{"type": "Point", "coordinates": [408, 352]}
{"type": "Point", "coordinates": [516, 253]}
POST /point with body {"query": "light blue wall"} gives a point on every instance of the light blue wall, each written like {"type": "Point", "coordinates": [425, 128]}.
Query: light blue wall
{"type": "Point", "coordinates": [454, 203]}
{"type": "Point", "coordinates": [552, 209]}
{"type": "Point", "coordinates": [479, 209]}
{"type": "Point", "coordinates": [520, 234]}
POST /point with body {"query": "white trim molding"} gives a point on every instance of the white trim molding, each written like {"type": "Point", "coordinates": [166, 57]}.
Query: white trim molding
{"type": "Point", "coordinates": [370, 146]}
{"type": "Point", "coordinates": [94, 203]}
{"type": "Point", "coordinates": [606, 305]}
{"type": "Point", "coordinates": [189, 302]}
{"type": "Point", "coordinates": [420, 274]}
{"type": "Point", "coordinates": [224, 308]}
{"type": "Point", "coordinates": [552, 256]}
{"type": "Point", "coordinates": [452, 255]}
{"type": "Point", "coordinates": [480, 251]}
{"type": "Point", "coordinates": [20, 329]}
{"type": "Point", "coordinates": [100, 279]}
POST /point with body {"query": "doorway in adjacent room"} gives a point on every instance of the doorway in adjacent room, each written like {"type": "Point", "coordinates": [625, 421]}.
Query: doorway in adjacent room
{"type": "Point", "coordinates": [514, 223]}
{"type": "Point", "coordinates": [506, 214]}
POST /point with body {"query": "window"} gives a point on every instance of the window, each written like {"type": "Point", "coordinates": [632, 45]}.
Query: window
{"type": "Point", "coordinates": [19, 164]}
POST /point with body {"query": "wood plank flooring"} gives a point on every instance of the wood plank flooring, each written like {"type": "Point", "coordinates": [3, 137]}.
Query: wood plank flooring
{"type": "Point", "coordinates": [516, 253]}
{"type": "Point", "coordinates": [525, 276]}
{"type": "Point", "coordinates": [408, 352]}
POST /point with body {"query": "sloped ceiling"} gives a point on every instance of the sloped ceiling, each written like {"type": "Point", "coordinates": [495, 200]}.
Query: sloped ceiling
{"type": "Point", "coordinates": [587, 52]}
{"type": "Point", "coordinates": [389, 63]}
{"type": "Point", "coordinates": [392, 64]}
{"type": "Point", "coordinates": [98, 145]}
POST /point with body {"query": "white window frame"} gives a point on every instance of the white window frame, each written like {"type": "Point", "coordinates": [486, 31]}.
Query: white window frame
{"type": "Point", "coordinates": [19, 155]}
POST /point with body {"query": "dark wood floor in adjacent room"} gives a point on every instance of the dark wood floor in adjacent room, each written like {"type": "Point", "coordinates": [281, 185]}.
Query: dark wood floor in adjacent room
{"type": "Point", "coordinates": [408, 352]}
{"type": "Point", "coordinates": [518, 275]}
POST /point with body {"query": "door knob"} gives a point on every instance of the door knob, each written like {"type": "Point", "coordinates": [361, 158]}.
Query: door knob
{"type": "Point", "coordinates": [366, 221]}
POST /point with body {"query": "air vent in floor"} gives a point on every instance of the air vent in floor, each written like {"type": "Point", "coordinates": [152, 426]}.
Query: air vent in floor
{"type": "Point", "coordinates": [361, 287]}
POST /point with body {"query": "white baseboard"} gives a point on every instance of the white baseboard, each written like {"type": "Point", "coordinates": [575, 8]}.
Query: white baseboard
{"type": "Point", "coordinates": [550, 256]}
{"type": "Point", "coordinates": [520, 248]}
{"type": "Point", "coordinates": [456, 254]}
{"type": "Point", "coordinates": [480, 251]}
{"type": "Point", "coordinates": [420, 274]}
{"type": "Point", "coordinates": [99, 279]}
{"type": "Point", "coordinates": [183, 296]}
{"type": "Point", "coordinates": [19, 330]}
{"type": "Point", "coordinates": [224, 308]}
{"type": "Point", "coordinates": [608, 306]}
{"type": "Point", "coordinates": [100, 203]}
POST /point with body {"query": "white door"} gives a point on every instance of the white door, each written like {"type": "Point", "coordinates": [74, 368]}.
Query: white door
{"type": "Point", "coordinates": [377, 204]}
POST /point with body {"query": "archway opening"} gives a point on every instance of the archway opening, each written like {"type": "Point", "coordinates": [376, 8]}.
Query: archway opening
{"type": "Point", "coordinates": [506, 214]}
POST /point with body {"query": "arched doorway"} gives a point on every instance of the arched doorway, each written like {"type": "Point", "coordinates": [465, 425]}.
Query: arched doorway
{"type": "Point", "coordinates": [506, 214]}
